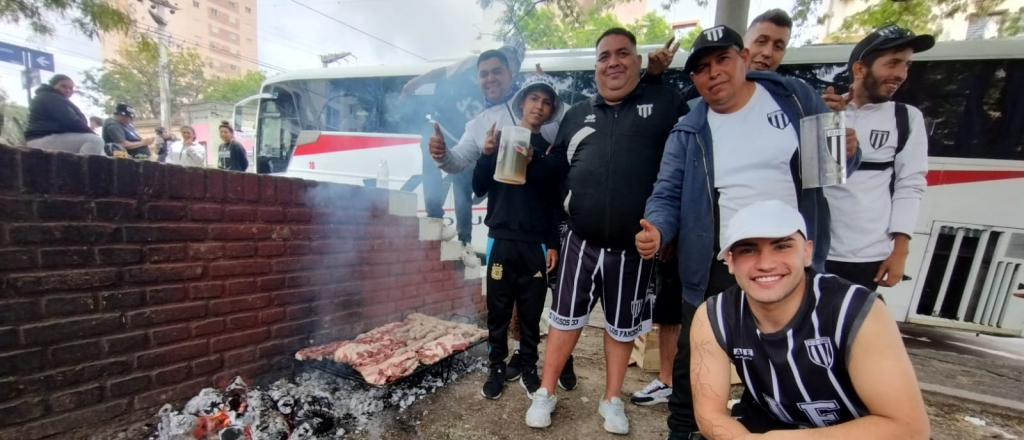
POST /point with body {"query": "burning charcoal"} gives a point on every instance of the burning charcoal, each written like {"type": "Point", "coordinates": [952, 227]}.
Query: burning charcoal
{"type": "Point", "coordinates": [303, 432]}
{"type": "Point", "coordinates": [209, 402]}
{"type": "Point", "coordinates": [235, 393]}
{"type": "Point", "coordinates": [284, 401]}
{"type": "Point", "coordinates": [270, 426]}
{"type": "Point", "coordinates": [317, 412]}
{"type": "Point", "coordinates": [232, 433]}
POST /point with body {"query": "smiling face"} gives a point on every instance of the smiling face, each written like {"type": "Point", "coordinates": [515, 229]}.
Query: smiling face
{"type": "Point", "coordinates": [66, 88]}
{"type": "Point", "coordinates": [537, 107]}
{"type": "Point", "coordinates": [767, 43]}
{"type": "Point", "coordinates": [720, 75]}
{"type": "Point", "coordinates": [495, 79]}
{"type": "Point", "coordinates": [769, 270]}
{"type": "Point", "coordinates": [618, 67]}
{"type": "Point", "coordinates": [884, 76]}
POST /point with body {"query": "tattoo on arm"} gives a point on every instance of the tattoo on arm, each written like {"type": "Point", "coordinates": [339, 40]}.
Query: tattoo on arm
{"type": "Point", "coordinates": [699, 367]}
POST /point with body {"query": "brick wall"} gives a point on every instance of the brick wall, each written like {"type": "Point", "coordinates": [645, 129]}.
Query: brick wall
{"type": "Point", "coordinates": [125, 285]}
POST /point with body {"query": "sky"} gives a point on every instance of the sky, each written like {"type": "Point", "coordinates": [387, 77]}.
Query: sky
{"type": "Point", "coordinates": [291, 36]}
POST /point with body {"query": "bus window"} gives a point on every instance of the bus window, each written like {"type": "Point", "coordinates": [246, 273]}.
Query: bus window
{"type": "Point", "coordinates": [406, 115]}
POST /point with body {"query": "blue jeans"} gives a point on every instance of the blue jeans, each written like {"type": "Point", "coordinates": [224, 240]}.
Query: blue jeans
{"type": "Point", "coordinates": [435, 189]}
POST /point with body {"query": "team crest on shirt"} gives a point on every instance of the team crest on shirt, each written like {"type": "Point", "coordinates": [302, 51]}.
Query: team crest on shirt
{"type": "Point", "coordinates": [819, 350]}
{"type": "Point", "coordinates": [496, 271]}
{"type": "Point", "coordinates": [636, 307]}
{"type": "Point", "coordinates": [590, 119]}
{"type": "Point", "coordinates": [878, 138]}
{"type": "Point", "coordinates": [778, 119]}
{"type": "Point", "coordinates": [644, 110]}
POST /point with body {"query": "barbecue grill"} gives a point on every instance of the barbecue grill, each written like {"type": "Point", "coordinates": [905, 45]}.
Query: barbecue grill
{"type": "Point", "coordinates": [347, 372]}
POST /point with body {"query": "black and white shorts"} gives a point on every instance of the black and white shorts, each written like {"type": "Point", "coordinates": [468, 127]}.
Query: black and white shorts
{"type": "Point", "coordinates": [619, 279]}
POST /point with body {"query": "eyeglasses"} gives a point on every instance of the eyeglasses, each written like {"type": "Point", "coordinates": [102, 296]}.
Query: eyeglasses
{"type": "Point", "coordinates": [886, 34]}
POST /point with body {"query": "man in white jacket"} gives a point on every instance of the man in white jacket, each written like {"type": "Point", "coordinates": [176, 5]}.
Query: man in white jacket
{"type": "Point", "coordinates": [874, 214]}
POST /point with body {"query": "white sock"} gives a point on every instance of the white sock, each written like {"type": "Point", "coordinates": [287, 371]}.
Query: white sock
{"type": "Point", "coordinates": [515, 345]}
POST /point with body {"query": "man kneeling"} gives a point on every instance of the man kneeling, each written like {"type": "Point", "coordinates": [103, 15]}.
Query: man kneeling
{"type": "Point", "coordinates": [813, 350]}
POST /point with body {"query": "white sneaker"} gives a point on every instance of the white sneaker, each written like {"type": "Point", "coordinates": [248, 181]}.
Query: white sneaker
{"type": "Point", "coordinates": [448, 233]}
{"type": "Point", "coordinates": [654, 393]}
{"type": "Point", "coordinates": [614, 413]}
{"type": "Point", "coordinates": [539, 414]}
{"type": "Point", "coordinates": [469, 257]}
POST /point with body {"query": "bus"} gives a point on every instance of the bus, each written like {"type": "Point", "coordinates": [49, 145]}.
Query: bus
{"type": "Point", "coordinates": [966, 266]}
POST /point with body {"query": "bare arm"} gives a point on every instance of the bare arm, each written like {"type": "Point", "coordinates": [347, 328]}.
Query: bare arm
{"type": "Point", "coordinates": [709, 382]}
{"type": "Point", "coordinates": [884, 379]}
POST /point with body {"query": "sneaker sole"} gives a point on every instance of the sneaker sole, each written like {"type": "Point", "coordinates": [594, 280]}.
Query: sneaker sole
{"type": "Point", "coordinates": [538, 426]}
{"type": "Point", "coordinates": [512, 378]}
{"type": "Point", "coordinates": [652, 402]}
{"type": "Point", "coordinates": [528, 393]}
{"type": "Point", "coordinates": [564, 387]}
{"type": "Point", "coordinates": [490, 398]}
{"type": "Point", "coordinates": [612, 431]}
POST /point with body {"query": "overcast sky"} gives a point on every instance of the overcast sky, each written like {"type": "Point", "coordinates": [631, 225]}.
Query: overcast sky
{"type": "Point", "coordinates": [291, 36]}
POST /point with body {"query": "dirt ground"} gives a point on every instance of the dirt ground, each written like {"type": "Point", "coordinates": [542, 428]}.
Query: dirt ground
{"type": "Point", "coordinates": [459, 412]}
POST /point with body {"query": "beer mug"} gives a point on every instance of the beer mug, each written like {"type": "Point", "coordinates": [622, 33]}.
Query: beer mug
{"type": "Point", "coordinates": [513, 148]}
{"type": "Point", "coordinates": [823, 150]}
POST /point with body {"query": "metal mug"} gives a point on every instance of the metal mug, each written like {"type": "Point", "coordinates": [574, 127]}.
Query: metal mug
{"type": "Point", "coordinates": [513, 149]}
{"type": "Point", "coordinates": [823, 150]}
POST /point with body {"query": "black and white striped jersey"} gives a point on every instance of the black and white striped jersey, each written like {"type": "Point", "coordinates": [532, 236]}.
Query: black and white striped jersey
{"type": "Point", "coordinates": [799, 374]}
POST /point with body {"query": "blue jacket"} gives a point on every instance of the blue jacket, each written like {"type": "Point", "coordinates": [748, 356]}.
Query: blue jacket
{"type": "Point", "coordinates": [681, 206]}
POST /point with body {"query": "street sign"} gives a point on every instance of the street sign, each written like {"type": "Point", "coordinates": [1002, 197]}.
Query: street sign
{"type": "Point", "coordinates": [10, 53]}
{"type": "Point", "coordinates": [40, 60]}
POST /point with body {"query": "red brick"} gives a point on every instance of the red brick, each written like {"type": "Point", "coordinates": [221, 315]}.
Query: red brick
{"type": "Point", "coordinates": [11, 259]}
{"type": "Point", "coordinates": [298, 312]}
{"type": "Point", "coordinates": [207, 327]}
{"type": "Point", "coordinates": [69, 377]}
{"type": "Point", "coordinates": [58, 424]}
{"type": "Point", "coordinates": [206, 251]}
{"type": "Point", "coordinates": [162, 272]}
{"type": "Point", "coordinates": [177, 182]}
{"type": "Point", "coordinates": [299, 191]}
{"type": "Point", "coordinates": [240, 214]}
{"type": "Point", "coordinates": [69, 305]}
{"type": "Point", "coordinates": [164, 314]}
{"type": "Point", "coordinates": [164, 253]}
{"type": "Point", "coordinates": [76, 399]}
{"type": "Point", "coordinates": [164, 211]}
{"type": "Point", "coordinates": [171, 376]}
{"type": "Point", "coordinates": [272, 315]}
{"type": "Point", "coordinates": [252, 187]}
{"type": "Point", "coordinates": [36, 164]}
{"type": "Point", "coordinates": [408, 304]}
{"type": "Point", "coordinates": [244, 321]}
{"type": "Point", "coordinates": [223, 306]}
{"type": "Point", "coordinates": [247, 267]}
{"type": "Point", "coordinates": [17, 209]}
{"type": "Point", "coordinates": [206, 290]}
{"type": "Point", "coordinates": [70, 328]}
{"type": "Point", "coordinates": [167, 355]}
{"type": "Point", "coordinates": [240, 339]}
{"type": "Point", "coordinates": [9, 338]}
{"type": "Point", "coordinates": [215, 180]}
{"type": "Point", "coordinates": [24, 360]}
{"type": "Point", "coordinates": [166, 294]}
{"type": "Point", "coordinates": [298, 248]}
{"type": "Point", "coordinates": [239, 287]}
{"type": "Point", "coordinates": [292, 264]}
{"type": "Point", "coordinates": [75, 353]}
{"type": "Point", "coordinates": [206, 365]}
{"type": "Point", "coordinates": [284, 191]}
{"type": "Point", "coordinates": [294, 296]}
{"type": "Point", "coordinates": [237, 250]}
{"type": "Point", "coordinates": [118, 255]}
{"type": "Point", "coordinates": [297, 280]}
{"type": "Point", "coordinates": [20, 411]}
{"type": "Point", "coordinates": [239, 357]}
{"type": "Point", "coordinates": [270, 283]}
{"type": "Point", "coordinates": [65, 233]}
{"type": "Point", "coordinates": [271, 249]}
{"type": "Point", "coordinates": [300, 215]}
{"type": "Point", "coordinates": [100, 176]}
{"type": "Point", "coordinates": [156, 234]}
{"type": "Point", "coordinates": [271, 349]}
{"type": "Point", "coordinates": [163, 395]}
{"type": "Point", "coordinates": [196, 181]}
{"type": "Point", "coordinates": [235, 191]}
{"type": "Point", "coordinates": [205, 213]}
{"type": "Point", "coordinates": [293, 328]}
{"type": "Point", "coordinates": [63, 209]}
{"type": "Point", "coordinates": [271, 215]}
{"type": "Point", "coordinates": [69, 177]}
{"type": "Point", "coordinates": [268, 189]}
{"type": "Point", "coordinates": [153, 179]}
{"type": "Point", "coordinates": [342, 260]}
{"type": "Point", "coordinates": [9, 162]}
{"type": "Point", "coordinates": [126, 175]}
{"type": "Point", "coordinates": [256, 369]}
{"type": "Point", "coordinates": [167, 335]}
{"type": "Point", "coordinates": [128, 385]}
{"type": "Point", "coordinates": [239, 232]}
{"type": "Point", "coordinates": [123, 343]}
{"type": "Point", "coordinates": [115, 210]}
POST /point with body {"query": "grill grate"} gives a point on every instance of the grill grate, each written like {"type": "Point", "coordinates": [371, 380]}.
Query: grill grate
{"type": "Point", "coordinates": [347, 372]}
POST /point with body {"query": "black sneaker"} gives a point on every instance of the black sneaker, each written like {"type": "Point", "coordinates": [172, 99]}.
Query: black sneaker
{"type": "Point", "coordinates": [530, 381]}
{"type": "Point", "coordinates": [495, 383]}
{"type": "Point", "coordinates": [513, 371]}
{"type": "Point", "coordinates": [687, 436]}
{"type": "Point", "coordinates": [567, 381]}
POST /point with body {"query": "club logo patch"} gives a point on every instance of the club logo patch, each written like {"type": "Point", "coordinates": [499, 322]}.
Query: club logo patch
{"type": "Point", "coordinates": [715, 33]}
{"type": "Point", "coordinates": [496, 271]}
{"type": "Point", "coordinates": [644, 110]}
{"type": "Point", "coordinates": [878, 138]}
{"type": "Point", "coordinates": [820, 351]}
{"type": "Point", "coordinates": [778, 119]}
{"type": "Point", "coordinates": [834, 138]}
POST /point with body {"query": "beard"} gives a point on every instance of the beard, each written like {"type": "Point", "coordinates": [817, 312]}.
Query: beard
{"type": "Point", "coordinates": [873, 86]}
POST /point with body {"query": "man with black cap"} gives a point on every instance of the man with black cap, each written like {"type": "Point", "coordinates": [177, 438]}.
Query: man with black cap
{"type": "Point", "coordinates": [738, 145]}
{"type": "Point", "coordinates": [820, 358]}
{"type": "Point", "coordinates": [120, 136]}
{"type": "Point", "coordinates": [874, 214]}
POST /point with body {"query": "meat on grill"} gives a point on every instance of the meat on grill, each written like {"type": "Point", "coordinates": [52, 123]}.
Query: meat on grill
{"type": "Point", "coordinates": [436, 350]}
{"type": "Point", "coordinates": [391, 369]}
{"type": "Point", "coordinates": [319, 352]}
{"type": "Point", "coordinates": [368, 351]}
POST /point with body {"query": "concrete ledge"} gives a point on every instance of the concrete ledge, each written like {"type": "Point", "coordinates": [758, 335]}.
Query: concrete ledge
{"type": "Point", "coordinates": [430, 229]}
{"type": "Point", "coordinates": [451, 250]}
{"type": "Point", "coordinates": [402, 204]}
{"type": "Point", "coordinates": [472, 273]}
{"type": "Point", "coordinates": [973, 397]}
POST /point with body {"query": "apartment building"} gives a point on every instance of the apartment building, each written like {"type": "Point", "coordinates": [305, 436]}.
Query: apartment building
{"type": "Point", "coordinates": [222, 31]}
{"type": "Point", "coordinates": [970, 25]}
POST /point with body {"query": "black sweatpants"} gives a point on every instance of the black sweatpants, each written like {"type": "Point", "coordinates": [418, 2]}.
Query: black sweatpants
{"type": "Point", "coordinates": [680, 404]}
{"type": "Point", "coordinates": [856, 273]}
{"type": "Point", "coordinates": [515, 276]}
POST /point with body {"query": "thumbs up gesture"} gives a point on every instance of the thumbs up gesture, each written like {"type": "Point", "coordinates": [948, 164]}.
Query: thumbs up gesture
{"type": "Point", "coordinates": [438, 150]}
{"type": "Point", "coordinates": [648, 240]}
{"type": "Point", "coordinates": [491, 142]}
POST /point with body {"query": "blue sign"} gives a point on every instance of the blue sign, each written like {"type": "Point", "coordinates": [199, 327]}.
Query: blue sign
{"type": "Point", "coordinates": [10, 53]}
{"type": "Point", "coordinates": [40, 60]}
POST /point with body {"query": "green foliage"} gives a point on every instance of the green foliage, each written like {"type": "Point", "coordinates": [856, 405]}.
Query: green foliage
{"type": "Point", "coordinates": [1013, 24]}
{"type": "Point", "coordinates": [13, 120]}
{"type": "Point", "coordinates": [90, 17]}
{"type": "Point", "coordinates": [133, 78]}
{"type": "Point", "coordinates": [686, 42]}
{"type": "Point", "coordinates": [234, 89]}
{"type": "Point", "coordinates": [543, 27]}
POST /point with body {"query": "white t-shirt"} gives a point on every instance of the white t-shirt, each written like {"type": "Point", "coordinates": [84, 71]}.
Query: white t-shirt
{"type": "Point", "coordinates": [191, 156]}
{"type": "Point", "coordinates": [864, 212]}
{"type": "Point", "coordinates": [752, 152]}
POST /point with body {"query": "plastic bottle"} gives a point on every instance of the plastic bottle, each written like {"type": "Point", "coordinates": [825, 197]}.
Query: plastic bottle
{"type": "Point", "coordinates": [382, 174]}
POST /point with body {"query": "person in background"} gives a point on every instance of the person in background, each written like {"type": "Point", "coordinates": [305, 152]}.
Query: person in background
{"type": "Point", "coordinates": [819, 357]}
{"type": "Point", "coordinates": [523, 244]}
{"type": "Point", "coordinates": [96, 125]}
{"type": "Point", "coordinates": [231, 155]}
{"type": "Point", "coordinates": [120, 136]}
{"type": "Point", "coordinates": [187, 151]}
{"type": "Point", "coordinates": [56, 124]}
{"type": "Point", "coordinates": [875, 212]}
{"type": "Point", "coordinates": [739, 144]}
{"type": "Point", "coordinates": [164, 139]}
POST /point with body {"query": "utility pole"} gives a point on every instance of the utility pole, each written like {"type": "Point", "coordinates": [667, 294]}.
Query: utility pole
{"type": "Point", "coordinates": [158, 11]}
{"type": "Point", "coordinates": [733, 13]}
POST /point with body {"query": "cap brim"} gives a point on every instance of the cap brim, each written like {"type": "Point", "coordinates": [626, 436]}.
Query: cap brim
{"type": "Point", "coordinates": [694, 57]}
{"type": "Point", "coordinates": [917, 43]}
{"type": "Point", "coordinates": [758, 232]}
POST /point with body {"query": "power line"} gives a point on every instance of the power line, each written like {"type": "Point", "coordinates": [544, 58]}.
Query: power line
{"type": "Point", "coordinates": [178, 38]}
{"type": "Point", "coordinates": [360, 31]}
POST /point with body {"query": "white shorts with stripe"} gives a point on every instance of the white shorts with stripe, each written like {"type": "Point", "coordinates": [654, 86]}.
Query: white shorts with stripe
{"type": "Point", "coordinates": [619, 279]}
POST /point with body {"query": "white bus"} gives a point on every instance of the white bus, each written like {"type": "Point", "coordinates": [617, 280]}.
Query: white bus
{"type": "Point", "coordinates": [967, 255]}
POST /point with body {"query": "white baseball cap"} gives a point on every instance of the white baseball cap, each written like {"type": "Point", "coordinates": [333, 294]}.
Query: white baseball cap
{"type": "Point", "coordinates": [767, 219]}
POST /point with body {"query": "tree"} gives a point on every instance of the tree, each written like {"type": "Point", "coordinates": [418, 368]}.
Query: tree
{"type": "Point", "coordinates": [90, 17]}
{"type": "Point", "coordinates": [13, 121]}
{"type": "Point", "coordinates": [234, 89]}
{"type": "Point", "coordinates": [132, 78]}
